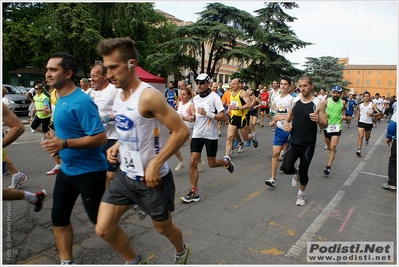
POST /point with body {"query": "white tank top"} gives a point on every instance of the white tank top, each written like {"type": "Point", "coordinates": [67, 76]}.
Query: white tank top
{"type": "Point", "coordinates": [363, 113]}
{"type": "Point", "coordinates": [183, 109]}
{"type": "Point", "coordinates": [138, 136]}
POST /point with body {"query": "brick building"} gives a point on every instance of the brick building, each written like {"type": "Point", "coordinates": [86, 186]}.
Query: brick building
{"type": "Point", "coordinates": [373, 78]}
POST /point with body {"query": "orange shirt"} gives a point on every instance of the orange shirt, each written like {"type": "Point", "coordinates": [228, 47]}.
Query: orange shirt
{"type": "Point", "coordinates": [226, 100]}
{"type": "Point", "coordinates": [226, 97]}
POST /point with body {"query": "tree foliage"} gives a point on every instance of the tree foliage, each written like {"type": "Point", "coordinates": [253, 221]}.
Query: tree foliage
{"type": "Point", "coordinates": [272, 41]}
{"type": "Point", "coordinates": [33, 31]}
{"type": "Point", "coordinates": [326, 72]}
{"type": "Point", "coordinates": [214, 37]}
{"type": "Point", "coordinates": [227, 33]}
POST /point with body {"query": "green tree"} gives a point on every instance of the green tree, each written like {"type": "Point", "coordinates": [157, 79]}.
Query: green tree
{"type": "Point", "coordinates": [74, 29]}
{"type": "Point", "coordinates": [274, 40]}
{"type": "Point", "coordinates": [213, 37]}
{"type": "Point", "coordinates": [23, 32]}
{"type": "Point", "coordinates": [33, 31]}
{"type": "Point", "coordinates": [326, 72]}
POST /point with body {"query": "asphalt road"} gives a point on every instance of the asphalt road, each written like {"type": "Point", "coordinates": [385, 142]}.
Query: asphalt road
{"type": "Point", "coordinates": [239, 219]}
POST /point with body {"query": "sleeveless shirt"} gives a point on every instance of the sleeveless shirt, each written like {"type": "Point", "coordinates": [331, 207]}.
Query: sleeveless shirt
{"type": "Point", "coordinates": [136, 133]}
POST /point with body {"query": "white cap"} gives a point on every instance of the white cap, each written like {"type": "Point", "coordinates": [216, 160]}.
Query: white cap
{"type": "Point", "coordinates": [203, 77]}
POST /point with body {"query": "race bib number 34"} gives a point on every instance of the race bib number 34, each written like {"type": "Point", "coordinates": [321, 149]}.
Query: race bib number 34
{"type": "Point", "coordinates": [131, 163]}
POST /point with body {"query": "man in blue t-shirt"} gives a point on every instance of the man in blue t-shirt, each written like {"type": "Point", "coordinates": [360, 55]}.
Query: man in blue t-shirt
{"type": "Point", "coordinates": [350, 106]}
{"type": "Point", "coordinates": [79, 140]}
{"type": "Point", "coordinates": [172, 95]}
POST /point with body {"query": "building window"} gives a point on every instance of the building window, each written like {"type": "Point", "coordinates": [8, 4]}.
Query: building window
{"type": "Point", "coordinates": [390, 83]}
{"type": "Point", "coordinates": [369, 72]}
{"type": "Point", "coordinates": [358, 72]}
{"type": "Point", "coordinates": [357, 82]}
{"type": "Point", "coordinates": [391, 72]}
{"type": "Point", "coordinates": [379, 72]}
{"type": "Point", "coordinates": [368, 82]}
{"type": "Point", "coordinates": [378, 82]}
{"type": "Point", "coordinates": [349, 72]}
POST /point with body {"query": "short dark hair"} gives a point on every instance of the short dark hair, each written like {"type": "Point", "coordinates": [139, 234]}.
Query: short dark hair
{"type": "Point", "coordinates": [306, 77]}
{"type": "Point", "coordinates": [125, 46]}
{"type": "Point", "coordinates": [367, 93]}
{"type": "Point", "coordinates": [68, 62]}
{"type": "Point", "coordinates": [37, 82]}
{"type": "Point", "coordinates": [286, 78]}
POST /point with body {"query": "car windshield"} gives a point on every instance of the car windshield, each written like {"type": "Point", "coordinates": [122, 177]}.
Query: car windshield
{"type": "Point", "coordinates": [12, 90]}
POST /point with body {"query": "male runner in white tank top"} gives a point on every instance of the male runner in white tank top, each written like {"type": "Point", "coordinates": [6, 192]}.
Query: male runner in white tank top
{"type": "Point", "coordinates": [143, 177]}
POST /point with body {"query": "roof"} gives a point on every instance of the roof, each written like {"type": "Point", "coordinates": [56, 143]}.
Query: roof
{"type": "Point", "coordinates": [370, 67]}
{"type": "Point", "coordinates": [147, 77]}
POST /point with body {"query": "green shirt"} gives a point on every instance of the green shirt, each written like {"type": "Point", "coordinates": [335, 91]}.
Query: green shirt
{"type": "Point", "coordinates": [334, 111]}
{"type": "Point", "coordinates": [41, 102]}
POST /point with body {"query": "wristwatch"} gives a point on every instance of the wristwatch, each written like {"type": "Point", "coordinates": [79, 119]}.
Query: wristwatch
{"type": "Point", "coordinates": [64, 143]}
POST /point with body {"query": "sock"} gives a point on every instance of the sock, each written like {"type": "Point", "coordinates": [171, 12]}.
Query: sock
{"type": "Point", "coordinates": [30, 197]}
{"type": "Point", "coordinates": [181, 253]}
{"type": "Point", "coordinates": [135, 261]}
{"type": "Point", "coordinates": [17, 175]}
{"type": "Point", "coordinates": [226, 162]}
{"type": "Point", "coordinates": [301, 192]}
{"type": "Point", "coordinates": [58, 166]}
{"type": "Point", "coordinates": [194, 190]}
{"type": "Point", "coordinates": [328, 167]}
{"type": "Point", "coordinates": [67, 262]}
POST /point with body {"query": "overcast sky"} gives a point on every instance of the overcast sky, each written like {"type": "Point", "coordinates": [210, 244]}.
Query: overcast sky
{"type": "Point", "coordinates": [365, 32]}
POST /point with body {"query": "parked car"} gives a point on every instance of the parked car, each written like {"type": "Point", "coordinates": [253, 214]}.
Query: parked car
{"type": "Point", "coordinates": [23, 89]}
{"type": "Point", "coordinates": [16, 100]}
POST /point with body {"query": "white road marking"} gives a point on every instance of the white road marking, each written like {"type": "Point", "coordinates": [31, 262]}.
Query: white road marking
{"type": "Point", "coordinates": [309, 234]}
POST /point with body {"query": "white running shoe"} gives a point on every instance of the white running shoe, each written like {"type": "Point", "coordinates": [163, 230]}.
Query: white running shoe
{"type": "Point", "coordinates": [281, 157]}
{"type": "Point", "coordinates": [301, 200]}
{"type": "Point", "coordinates": [200, 166]}
{"type": "Point", "coordinates": [180, 166]}
{"type": "Point", "coordinates": [295, 179]}
{"type": "Point", "coordinates": [241, 147]}
{"type": "Point", "coordinates": [271, 182]}
{"type": "Point", "coordinates": [17, 182]}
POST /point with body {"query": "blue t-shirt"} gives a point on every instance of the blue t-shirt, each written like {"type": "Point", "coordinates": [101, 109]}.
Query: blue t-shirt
{"type": "Point", "coordinates": [350, 106]}
{"type": "Point", "coordinates": [76, 116]}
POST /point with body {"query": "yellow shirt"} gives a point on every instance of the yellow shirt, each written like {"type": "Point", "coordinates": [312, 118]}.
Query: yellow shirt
{"type": "Point", "coordinates": [53, 98]}
{"type": "Point", "coordinates": [236, 100]}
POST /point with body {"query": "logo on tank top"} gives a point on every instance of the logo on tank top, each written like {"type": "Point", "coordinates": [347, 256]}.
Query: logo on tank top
{"type": "Point", "coordinates": [123, 123]}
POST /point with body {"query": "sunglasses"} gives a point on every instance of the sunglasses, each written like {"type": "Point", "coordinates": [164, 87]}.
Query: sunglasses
{"type": "Point", "coordinates": [201, 82]}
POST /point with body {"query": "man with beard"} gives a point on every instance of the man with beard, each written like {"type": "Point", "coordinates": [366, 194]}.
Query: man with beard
{"type": "Point", "coordinates": [335, 108]}
{"type": "Point", "coordinates": [79, 139]}
{"type": "Point", "coordinates": [302, 120]}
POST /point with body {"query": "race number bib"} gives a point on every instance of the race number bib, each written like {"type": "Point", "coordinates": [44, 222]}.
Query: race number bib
{"type": "Point", "coordinates": [333, 128]}
{"type": "Point", "coordinates": [131, 164]}
{"type": "Point", "coordinates": [264, 103]}
{"type": "Point", "coordinates": [233, 102]}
